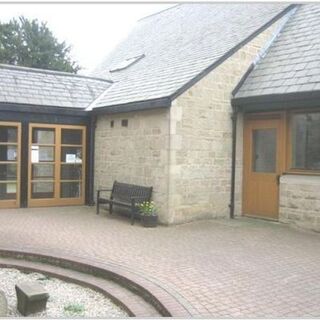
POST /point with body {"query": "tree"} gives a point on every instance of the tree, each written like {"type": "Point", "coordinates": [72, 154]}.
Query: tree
{"type": "Point", "coordinates": [29, 43]}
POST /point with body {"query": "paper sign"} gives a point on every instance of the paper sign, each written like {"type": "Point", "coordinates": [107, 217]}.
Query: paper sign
{"type": "Point", "coordinates": [35, 154]}
{"type": "Point", "coordinates": [70, 158]}
{"type": "Point", "coordinates": [11, 188]}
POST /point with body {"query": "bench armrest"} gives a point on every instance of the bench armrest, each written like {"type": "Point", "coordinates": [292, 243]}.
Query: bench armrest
{"type": "Point", "coordinates": [104, 190]}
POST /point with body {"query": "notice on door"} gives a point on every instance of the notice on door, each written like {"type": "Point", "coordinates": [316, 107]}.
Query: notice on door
{"type": "Point", "coordinates": [70, 158]}
{"type": "Point", "coordinates": [35, 154]}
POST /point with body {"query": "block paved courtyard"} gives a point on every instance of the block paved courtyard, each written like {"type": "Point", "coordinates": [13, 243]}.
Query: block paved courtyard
{"type": "Point", "coordinates": [218, 268]}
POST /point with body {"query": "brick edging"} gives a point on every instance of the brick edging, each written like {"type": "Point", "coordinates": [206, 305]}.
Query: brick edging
{"type": "Point", "coordinates": [167, 303]}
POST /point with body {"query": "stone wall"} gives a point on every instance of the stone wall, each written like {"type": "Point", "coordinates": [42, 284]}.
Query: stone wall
{"type": "Point", "coordinates": [300, 201]}
{"type": "Point", "coordinates": [135, 154]}
{"type": "Point", "coordinates": [184, 151]}
{"type": "Point", "coordinates": [200, 140]}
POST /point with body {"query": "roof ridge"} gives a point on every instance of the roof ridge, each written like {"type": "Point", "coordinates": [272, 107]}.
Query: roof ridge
{"type": "Point", "coordinates": [53, 72]}
{"type": "Point", "coordinates": [265, 49]}
{"type": "Point", "coordinates": [161, 11]}
{"type": "Point", "coordinates": [234, 49]}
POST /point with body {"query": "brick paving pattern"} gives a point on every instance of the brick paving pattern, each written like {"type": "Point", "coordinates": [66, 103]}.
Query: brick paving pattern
{"type": "Point", "coordinates": [218, 268]}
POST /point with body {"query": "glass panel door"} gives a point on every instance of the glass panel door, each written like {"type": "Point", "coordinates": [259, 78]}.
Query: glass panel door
{"type": "Point", "coordinates": [263, 160]}
{"type": "Point", "coordinates": [9, 164]}
{"type": "Point", "coordinates": [43, 163]}
{"type": "Point", "coordinates": [71, 163]}
{"type": "Point", "coordinates": [56, 170]}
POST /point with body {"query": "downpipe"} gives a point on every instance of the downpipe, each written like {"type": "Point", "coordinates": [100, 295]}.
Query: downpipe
{"type": "Point", "coordinates": [93, 121]}
{"type": "Point", "coordinates": [234, 118]}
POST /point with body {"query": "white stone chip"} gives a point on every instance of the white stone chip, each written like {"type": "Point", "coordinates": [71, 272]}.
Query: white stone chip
{"type": "Point", "coordinates": [82, 301]}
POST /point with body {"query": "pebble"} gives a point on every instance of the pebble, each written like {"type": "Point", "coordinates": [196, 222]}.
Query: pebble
{"type": "Point", "coordinates": [80, 301]}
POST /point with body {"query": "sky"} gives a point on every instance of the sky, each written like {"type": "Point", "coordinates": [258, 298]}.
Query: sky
{"type": "Point", "coordinates": [92, 30]}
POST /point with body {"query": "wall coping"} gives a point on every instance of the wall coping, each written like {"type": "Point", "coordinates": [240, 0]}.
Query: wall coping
{"type": "Point", "coordinates": [300, 179]}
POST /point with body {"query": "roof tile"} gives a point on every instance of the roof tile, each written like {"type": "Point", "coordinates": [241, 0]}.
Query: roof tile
{"type": "Point", "coordinates": [50, 88]}
{"type": "Point", "coordinates": [179, 43]}
{"type": "Point", "coordinates": [298, 49]}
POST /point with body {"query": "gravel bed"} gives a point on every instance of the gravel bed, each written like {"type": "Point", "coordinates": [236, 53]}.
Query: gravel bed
{"type": "Point", "coordinates": [66, 299]}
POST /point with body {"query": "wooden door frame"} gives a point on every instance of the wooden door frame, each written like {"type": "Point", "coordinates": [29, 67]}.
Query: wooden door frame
{"type": "Point", "coordinates": [14, 203]}
{"type": "Point", "coordinates": [57, 201]}
{"type": "Point", "coordinates": [249, 118]}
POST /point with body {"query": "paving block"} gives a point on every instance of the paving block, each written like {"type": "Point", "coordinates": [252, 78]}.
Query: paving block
{"type": "Point", "coordinates": [32, 297]}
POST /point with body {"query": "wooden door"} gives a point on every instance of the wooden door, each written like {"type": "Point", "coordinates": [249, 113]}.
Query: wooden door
{"type": "Point", "coordinates": [10, 137]}
{"type": "Point", "coordinates": [263, 158]}
{"type": "Point", "coordinates": [56, 165]}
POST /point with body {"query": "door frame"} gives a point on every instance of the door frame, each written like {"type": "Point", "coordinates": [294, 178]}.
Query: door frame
{"type": "Point", "coordinates": [249, 118]}
{"type": "Point", "coordinates": [57, 201]}
{"type": "Point", "coordinates": [14, 203]}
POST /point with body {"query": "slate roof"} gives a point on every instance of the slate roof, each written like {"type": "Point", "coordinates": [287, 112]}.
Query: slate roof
{"type": "Point", "coordinates": [22, 85]}
{"type": "Point", "coordinates": [179, 44]}
{"type": "Point", "coordinates": [292, 64]}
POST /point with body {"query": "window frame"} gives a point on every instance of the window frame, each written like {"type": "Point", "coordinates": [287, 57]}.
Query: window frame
{"type": "Point", "coordinates": [13, 203]}
{"type": "Point", "coordinates": [289, 127]}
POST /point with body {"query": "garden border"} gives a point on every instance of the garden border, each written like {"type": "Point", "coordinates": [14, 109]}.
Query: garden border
{"type": "Point", "coordinates": [166, 303]}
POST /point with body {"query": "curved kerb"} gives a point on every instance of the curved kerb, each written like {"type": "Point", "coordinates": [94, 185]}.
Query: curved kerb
{"type": "Point", "coordinates": [166, 303]}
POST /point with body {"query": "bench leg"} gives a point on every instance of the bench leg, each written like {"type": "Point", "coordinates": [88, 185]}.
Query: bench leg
{"type": "Point", "coordinates": [98, 204]}
{"type": "Point", "coordinates": [110, 208]}
{"type": "Point", "coordinates": [132, 218]}
{"type": "Point", "coordinates": [98, 207]}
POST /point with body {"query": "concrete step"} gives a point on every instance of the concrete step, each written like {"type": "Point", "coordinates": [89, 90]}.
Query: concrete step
{"type": "Point", "coordinates": [120, 295]}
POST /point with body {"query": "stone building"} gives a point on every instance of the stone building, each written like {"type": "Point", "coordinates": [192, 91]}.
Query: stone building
{"type": "Point", "coordinates": [214, 105]}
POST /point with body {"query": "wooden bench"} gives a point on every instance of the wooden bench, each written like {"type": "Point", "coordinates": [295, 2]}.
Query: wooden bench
{"type": "Point", "coordinates": [124, 195]}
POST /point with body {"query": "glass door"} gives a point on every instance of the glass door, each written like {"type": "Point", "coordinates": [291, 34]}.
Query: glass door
{"type": "Point", "coordinates": [71, 170]}
{"type": "Point", "coordinates": [9, 164]}
{"type": "Point", "coordinates": [56, 169]}
{"type": "Point", "coordinates": [43, 163]}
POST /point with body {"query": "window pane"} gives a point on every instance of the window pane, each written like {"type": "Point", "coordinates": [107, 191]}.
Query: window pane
{"type": "Point", "coordinates": [42, 190]}
{"type": "Point", "coordinates": [42, 171]}
{"type": "Point", "coordinates": [8, 191]}
{"type": "Point", "coordinates": [264, 150]}
{"type": "Point", "coordinates": [71, 154]}
{"type": "Point", "coordinates": [8, 134]}
{"type": "Point", "coordinates": [8, 172]}
{"type": "Point", "coordinates": [306, 141]}
{"type": "Point", "coordinates": [42, 154]}
{"type": "Point", "coordinates": [43, 136]}
{"type": "Point", "coordinates": [71, 136]}
{"type": "Point", "coordinates": [71, 171]}
{"type": "Point", "coordinates": [8, 153]}
{"type": "Point", "coordinates": [70, 190]}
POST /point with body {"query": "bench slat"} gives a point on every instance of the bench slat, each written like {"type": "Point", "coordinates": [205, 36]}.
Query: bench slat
{"type": "Point", "coordinates": [124, 194]}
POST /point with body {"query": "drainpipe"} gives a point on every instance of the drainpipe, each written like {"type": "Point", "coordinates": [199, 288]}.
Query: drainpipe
{"type": "Point", "coordinates": [93, 121]}
{"type": "Point", "coordinates": [234, 118]}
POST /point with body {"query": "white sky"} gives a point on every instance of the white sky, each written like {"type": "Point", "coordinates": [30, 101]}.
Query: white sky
{"type": "Point", "coordinates": [93, 30]}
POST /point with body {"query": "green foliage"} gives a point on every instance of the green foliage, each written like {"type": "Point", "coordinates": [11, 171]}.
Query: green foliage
{"type": "Point", "coordinates": [74, 308]}
{"type": "Point", "coordinates": [29, 43]}
{"type": "Point", "coordinates": [147, 208]}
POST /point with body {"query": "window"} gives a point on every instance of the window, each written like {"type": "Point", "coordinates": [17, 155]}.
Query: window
{"type": "Point", "coordinates": [124, 122]}
{"type": "Point", "coordinates": [126, 63]}
{"type": "Point", "coordinates": [305, 137]}
{"type": "Point", "coordinates": [264, 150]}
